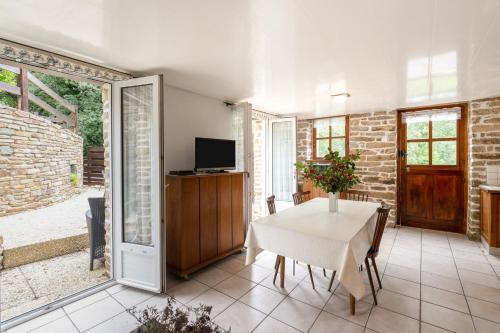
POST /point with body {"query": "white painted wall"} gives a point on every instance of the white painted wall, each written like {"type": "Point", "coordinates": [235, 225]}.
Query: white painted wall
{"type": "Point", "coordinates": [186, 116]}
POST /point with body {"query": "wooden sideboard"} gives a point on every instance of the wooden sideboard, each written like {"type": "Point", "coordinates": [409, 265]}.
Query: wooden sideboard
{"type": "Point", "coordinates": [490, 218]}
{"type": "Point", "coordinates": [204, 219]}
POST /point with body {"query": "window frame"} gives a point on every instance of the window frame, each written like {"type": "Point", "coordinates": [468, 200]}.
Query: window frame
{"type": "Point", "coordinates": [329, 137]}
{"type": "Point", "coordinates": [429, 140]}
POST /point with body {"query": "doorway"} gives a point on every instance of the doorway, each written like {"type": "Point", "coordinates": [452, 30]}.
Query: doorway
{"type": "Point", "coordinates": [53, 222]}
{"type": "Point", "coordinates": [282, 179]}
{"type": "Point", "coordinates": [432, 164]}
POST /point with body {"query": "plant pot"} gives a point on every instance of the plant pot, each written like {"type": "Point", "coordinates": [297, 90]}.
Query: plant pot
{"type": "Point", "coordinates": [333, 201]}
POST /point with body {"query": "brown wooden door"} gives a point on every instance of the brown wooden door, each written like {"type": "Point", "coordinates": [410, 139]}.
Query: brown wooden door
{"type": "Point", "coordinates": [432, 168]}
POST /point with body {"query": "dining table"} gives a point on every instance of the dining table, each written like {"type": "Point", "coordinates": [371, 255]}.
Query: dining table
{"type": "Point", "coordinates": [310, 233]}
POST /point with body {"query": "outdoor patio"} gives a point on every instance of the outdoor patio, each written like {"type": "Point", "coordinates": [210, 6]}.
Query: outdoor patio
{"type": "Point", "coordinates": [46, 255]}
{"type": "Point", "coordinates": [27, 287]}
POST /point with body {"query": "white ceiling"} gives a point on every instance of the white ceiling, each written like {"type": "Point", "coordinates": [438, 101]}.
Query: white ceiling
{"type": "Point", "coordinates": [284, 56]}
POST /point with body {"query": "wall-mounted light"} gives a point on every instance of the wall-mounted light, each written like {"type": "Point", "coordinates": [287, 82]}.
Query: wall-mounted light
{"type": "Point", "coordinates": [340, 98]}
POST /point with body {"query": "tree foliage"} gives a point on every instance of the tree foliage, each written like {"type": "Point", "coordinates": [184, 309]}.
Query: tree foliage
{"type": "Point", "coordinates": [87, 97]}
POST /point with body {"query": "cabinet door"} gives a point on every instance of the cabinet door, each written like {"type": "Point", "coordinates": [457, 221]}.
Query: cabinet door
{"type": "Point", "coordinates": [224, 218]}
{"type": "Point", "coordinates": [208, 218]}
{"type": "Point", "coordinates": [190, 218]}
{"type": "Point", "coordinates": [237, 210]}
{"type": "Point", "coordinates": [495, 220]}
{"type": "Point", "coordinates": [485, 218]}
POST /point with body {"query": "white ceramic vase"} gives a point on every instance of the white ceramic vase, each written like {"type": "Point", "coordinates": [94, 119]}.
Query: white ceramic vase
{"type": "Point", "coordinates": [333, 200]}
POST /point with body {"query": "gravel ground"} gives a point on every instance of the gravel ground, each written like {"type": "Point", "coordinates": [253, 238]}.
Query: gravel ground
{"type": "Point", "coordinates": [57, 221]}
{"type": "Point", "coordinates": [30, 286]}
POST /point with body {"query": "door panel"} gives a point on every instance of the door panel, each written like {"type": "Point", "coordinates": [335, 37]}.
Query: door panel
{"type": "Point", "coordinates": [137, 182]}
{"type": "Point", "coordinates": [190, 247]}
{"type": "Point", "coordinates": [432, 167]}
{"type": "Point", "coordinates": [237, 210]}
{"type": "Point", "coordinates": [417, 194]}
{"type": "Point", "coordinates": [224, 219]}
{"type": "Point", "coordinates": [208, 220]}
{"type": "Point", "coordinates": [446, 194]}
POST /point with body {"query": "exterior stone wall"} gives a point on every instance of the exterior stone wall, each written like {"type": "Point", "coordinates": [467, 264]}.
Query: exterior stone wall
{"type": "Point", "coordinates": [484, 149]}
{"type": "Point", "coordinates": [36, 157]}
{"type": "Point", "coordinates": [106, 131]}
{"type": "Point", "coordinates": [259, 168]}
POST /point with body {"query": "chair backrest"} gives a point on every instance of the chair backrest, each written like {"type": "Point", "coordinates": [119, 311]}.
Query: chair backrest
{"type": "Point", "coordinates": [301, 197]}
{"type": "Point", "coordinates": [383, 213]}
{"type": "Point", "coordinates": [96, 227]}
{"type": "Point", "coordinates": [357, 196]}
{"type": "Point", "coordinates": [298, 198]}
{"type": "Point", "coordinates": [271, 205]}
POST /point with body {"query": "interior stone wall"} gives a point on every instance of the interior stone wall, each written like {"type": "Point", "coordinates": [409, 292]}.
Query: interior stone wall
{"type": "Point", "coordinates": [374, 134]}
{"type": "Point", "coordinates": [35, 161]}
{"type": "Point", "coordinates": [484, 149]}
{"type": "Point", "coordinates": [304, 144]}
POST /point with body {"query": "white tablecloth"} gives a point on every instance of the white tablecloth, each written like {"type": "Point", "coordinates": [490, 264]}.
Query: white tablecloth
{"type": "Point", "coordinates": [311, 234]}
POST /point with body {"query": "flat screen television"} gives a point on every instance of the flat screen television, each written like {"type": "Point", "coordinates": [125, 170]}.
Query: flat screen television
{"type": "Point", "coordinates": [215, 154]}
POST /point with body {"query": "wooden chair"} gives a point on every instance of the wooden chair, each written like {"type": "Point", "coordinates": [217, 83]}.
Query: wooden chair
{"type": "Point", "coordinates": [297, 198]}
{"type": "Point", "coordinates": [383, 213]}
{"type": "Point", "coordinates": [301, 197]}
{"type": "Point", "coordinates": [272, 210]}
{"type": "Point", "coordinates": [356, 196]}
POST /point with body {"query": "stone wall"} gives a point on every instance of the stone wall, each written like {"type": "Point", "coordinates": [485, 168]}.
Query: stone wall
{"type": "Point", "coordinates": [106, 133]}
{"type": "Point", "coordinates": [484, 149]}
{"type": "Point", "coordinates": [36, 157]}
{"type": "Point", "coordinates": [304, 143]}
{"type": "Point", "coordinates": [259, 168]}
{"type": "Point", "coordinates": [374, 134]}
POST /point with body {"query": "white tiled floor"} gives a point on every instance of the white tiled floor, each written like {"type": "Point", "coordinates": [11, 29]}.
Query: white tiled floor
{"type": "Point", "coordinates": [433, 282]}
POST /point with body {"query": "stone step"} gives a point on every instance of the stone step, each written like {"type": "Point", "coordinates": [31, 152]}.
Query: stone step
{"type": "Point", "coordinates": [26, 254]}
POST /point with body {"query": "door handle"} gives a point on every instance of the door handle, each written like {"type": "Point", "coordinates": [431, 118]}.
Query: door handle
{"type": "Point", "coordinates": [407, 169]}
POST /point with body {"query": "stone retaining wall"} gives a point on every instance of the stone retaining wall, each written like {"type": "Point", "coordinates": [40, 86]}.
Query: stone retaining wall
{"type": "Point", "coordinates": [484, 149]}
{"type": "Point", "coordinates": [36, 157]}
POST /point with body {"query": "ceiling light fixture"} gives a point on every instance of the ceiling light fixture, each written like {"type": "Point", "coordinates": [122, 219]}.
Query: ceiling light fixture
{"type": "Point", "coordinates": [341, 97]}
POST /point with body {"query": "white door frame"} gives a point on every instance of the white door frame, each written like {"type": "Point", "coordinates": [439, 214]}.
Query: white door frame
{"type": "Point", "coordinates": [128, 257]}
{"type": "Point", "coordinates": [269, 152]}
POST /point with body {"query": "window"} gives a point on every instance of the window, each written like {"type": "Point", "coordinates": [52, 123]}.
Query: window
{"type": "Point", "coordinates": [431, 137]}
{"type": "Point", "coordinates": [330, 133]}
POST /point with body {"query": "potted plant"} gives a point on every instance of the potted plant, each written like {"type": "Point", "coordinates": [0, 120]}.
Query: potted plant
{"type": "Point", "coordinates": [337, 175]}
{"type": "Point", "coordinates": [174, 318]}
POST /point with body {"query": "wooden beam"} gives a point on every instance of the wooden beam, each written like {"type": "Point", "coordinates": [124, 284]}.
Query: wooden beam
{"type": "Point", "coordinates": [59, 115]}
{"type": "Point", "coordinates": [12, 69]}
{"type": "Point", "coordinates": [10, 89]}
{"type": "Point", "coordinates": [51, 93]}
{"type": "Point", "coordinates": [22, 83]}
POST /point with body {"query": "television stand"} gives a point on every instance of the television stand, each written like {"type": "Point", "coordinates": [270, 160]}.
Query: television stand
{"type": "Point", "coordinates": [216, 171]}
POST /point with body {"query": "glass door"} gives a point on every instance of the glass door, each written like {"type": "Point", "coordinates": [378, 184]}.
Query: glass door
{"type": "Point", "coordinates": [137, 179]}
{"type": "Point", "coordinates": [282, 180]}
